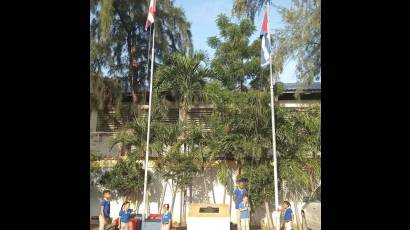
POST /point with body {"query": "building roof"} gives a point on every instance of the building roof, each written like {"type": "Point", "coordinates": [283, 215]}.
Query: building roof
{"type": "Point", "coordinates": [294, 86]}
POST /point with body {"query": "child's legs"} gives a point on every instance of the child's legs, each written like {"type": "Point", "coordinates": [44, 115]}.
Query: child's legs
{"type": "Point", "coordinates": [288, 225]}
{"type": "Point", "coordinates": [238, 219]}
{"type": "Point", "coordinates": [245, 224]}
{"type": "Point", "coordinates": [101, 223]}
{"type": "Point", "coordinates": [166, 226]}
{"type": "Point", "coordinates": [124, 226]}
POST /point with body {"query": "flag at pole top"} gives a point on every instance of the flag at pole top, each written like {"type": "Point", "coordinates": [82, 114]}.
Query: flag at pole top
{"type": "Point", "coordinates": [265, 47]}
{"type": "Point", "coordinates": [151, 14]}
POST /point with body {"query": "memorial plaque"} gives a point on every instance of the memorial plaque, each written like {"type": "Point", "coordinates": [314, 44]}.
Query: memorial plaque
{"type": "Point", "coordinates": [208, 210]}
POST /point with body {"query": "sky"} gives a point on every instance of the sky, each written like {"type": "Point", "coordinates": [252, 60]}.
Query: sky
{"type": "Point", "coordinates": [202, 15]}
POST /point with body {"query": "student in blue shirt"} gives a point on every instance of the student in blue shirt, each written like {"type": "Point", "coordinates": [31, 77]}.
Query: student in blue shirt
{"type": "Point", "coordinates": [287, 215]}
{"type": "Point", "coordinates": [244, 210]}
{"type": "Point", "coordinates": [125, 213]}
{"type": "Point", "coordinates": [238, 195]}
{"type": "Point", "coordinates": [104, 216]}
{"type": "Point", "coordinates": [166, 218]}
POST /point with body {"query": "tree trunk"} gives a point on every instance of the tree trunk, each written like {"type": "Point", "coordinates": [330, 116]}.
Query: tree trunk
{"type": "Point", "coordinates": [181, 209]}
{"type": "Point", "coordinates": [206, 189]}
{"type": "Point", "coordinates": [268, 215]}
{"type": "Point", "coordinates": [174, 193]}
{"type": "Point", "coordinates": [299, 227]}
{"type": "Point", "coordinates": [136, 203]}
{"type": "Point", "coordinates": [239, 169]}
{"type": "Point", "coordinates": [224, 197]}
{"type": "Point", "coordinates": [162, 197]}
{"type": "Point", "coordinates": [213, 194]}
{"type": "Point", "coordinates": [132, 68]}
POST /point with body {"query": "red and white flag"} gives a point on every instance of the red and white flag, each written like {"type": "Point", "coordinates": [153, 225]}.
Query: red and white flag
{"type": "Point", "coordinates": [265, 48]}
{"type": "Point", "coordinates": [151, 14]}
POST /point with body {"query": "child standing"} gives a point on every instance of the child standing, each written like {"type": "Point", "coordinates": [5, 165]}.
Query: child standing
{"type": "Point", "coordinates": [104, 216]}
{"type": "Point", "coordinates": [238, 195]}
{"type": "Point", "coordinates": [125, 213]}
{"type": "Point", "coordinates": [287, 215]}
{"type": "Point", "coordinates": [166, 218]}
{"type": "Point", "coordinates": [244, 208]}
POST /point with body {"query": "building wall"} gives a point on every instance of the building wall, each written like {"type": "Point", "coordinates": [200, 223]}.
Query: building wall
{"type": "Point", "coordinates": [205, 189]}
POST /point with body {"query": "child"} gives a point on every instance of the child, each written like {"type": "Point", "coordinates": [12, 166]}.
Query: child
{"type": "Point", "coordinates": [104, 217]}
{"type": "Point", "coordinates": [287, 215]}
{"type": "Point", "coordinates": [166, 218]}
{"type": "Point", "coordinates": [125, 213]}
{"type": "Point", "coordinates": [244, 215]}
{"type": "Point", "coordinates": [238, 194]}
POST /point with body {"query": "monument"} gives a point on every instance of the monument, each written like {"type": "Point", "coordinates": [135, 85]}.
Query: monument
{"type": "Point", "coordinates": [209, 216]}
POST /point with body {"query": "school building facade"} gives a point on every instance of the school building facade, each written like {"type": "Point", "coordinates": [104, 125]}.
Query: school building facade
{"type": "Point", "coordinates": [205, 187]}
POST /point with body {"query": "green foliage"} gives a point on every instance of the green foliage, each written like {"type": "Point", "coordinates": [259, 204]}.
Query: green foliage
{"type": "Point", "coordinates": [261, 183]}
{"type": "Point", "coordinates": [119, 42]}
{"type": "Point", "coordinates": [183, 156]}
{"type": "Point", "coordinates": [241, 129]}
{"type": "Point", "coordinates": [183, 77]}
{"type": "Point", "coordinates": [126, 177]}
{"type": "Point", "coordinates": [300, 39]}
{"type": "Point", "coordinates": [105, 93]}
{"type": "Point", "coordinates": [94, 168]}
{"type": "Point", "coordinates": [235, 59]}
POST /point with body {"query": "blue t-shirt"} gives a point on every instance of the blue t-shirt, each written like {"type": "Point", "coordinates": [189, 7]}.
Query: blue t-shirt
{"type": "Point", "coordinates": [239, 196]}
{"type": "Point", "coordinates": [166, 218]}
{"type": "Point", "coordinates": [287, 215]}
{"type": "Point", "coordinates": [106, 208]}
{"type": "Point", "coordinates": [245, 213]}
{"type": "Point", "coordinates": [125, 215]}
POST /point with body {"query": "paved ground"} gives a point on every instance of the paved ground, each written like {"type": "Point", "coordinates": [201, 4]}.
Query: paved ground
{"type": "Point", "coordinates": [94, 227]}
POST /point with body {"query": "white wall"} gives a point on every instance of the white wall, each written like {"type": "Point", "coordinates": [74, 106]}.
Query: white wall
{"type": "Point", "coordinates": [203, 184]}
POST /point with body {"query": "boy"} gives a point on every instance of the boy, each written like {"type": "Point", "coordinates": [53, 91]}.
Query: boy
{"type": "Point", "coordinates": [104, 216]}
{"type": "Point", "coordinates": [287, 215]}
{"type": "Point", "coordinates": [244, 209]}
{"type": "Point", "coordinates": [238, 195]}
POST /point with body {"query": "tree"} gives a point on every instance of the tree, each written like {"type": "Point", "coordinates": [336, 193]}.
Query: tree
{"type": "Point", "coordinates": [126, 178]}
{"type": "Point", "coordinates": [300, 39]}
{"type": "Point", "coordinates": [119, 42]}
{"type": "Point", "coordinates": [235, 59]}
{"type": "Point", "coordinates": [183, 77]}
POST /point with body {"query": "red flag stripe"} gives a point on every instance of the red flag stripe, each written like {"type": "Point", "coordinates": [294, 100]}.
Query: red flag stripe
{"type": "Point", "coordinates": [265, 23]}
{"type": "Point", "coordinates": [151, 13]}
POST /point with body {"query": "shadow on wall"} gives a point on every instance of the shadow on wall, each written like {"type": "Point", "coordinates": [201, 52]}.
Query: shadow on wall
{"type": "Point", "coordinates": [155, 191]}
{"type": "Point", "coordinates": [202, 191]}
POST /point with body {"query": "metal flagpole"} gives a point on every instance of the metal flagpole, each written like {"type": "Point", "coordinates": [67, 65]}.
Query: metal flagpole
{"type": "Point", "coordinates": [275, 165]}
{"type": "Point", "coordinates": [149, 124]}
{"type": "Point", "coordinates": [146, 76]}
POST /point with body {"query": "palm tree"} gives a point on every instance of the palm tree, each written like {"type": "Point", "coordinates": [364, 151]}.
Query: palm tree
{"type": "Point", "coordinates": [183, 77]}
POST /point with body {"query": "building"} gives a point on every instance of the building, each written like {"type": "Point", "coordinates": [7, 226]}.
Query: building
{"type": "Point", "coordinates": [206, 188]}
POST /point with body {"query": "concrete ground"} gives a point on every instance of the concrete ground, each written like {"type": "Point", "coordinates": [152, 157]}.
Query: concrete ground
{"type": "Point", "coordinates": [95, 227]}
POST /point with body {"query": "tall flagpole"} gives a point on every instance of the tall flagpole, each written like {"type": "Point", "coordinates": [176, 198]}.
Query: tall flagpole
{"type": "Point", "coordinates": [149, 125]}
{"type": "Point", "coordinates": [275, 164]}
{"type": "Point", "coordinates": [149, 48]}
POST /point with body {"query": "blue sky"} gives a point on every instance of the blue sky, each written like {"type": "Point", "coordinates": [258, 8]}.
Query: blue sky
{"type": "Point", "coordinates": [202, 15]}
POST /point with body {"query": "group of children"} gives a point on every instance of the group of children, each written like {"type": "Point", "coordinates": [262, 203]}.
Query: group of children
{"type": "Point", "coordinates": [125, 214]}
{"type": "Point", "coordinates": [240, 196]}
